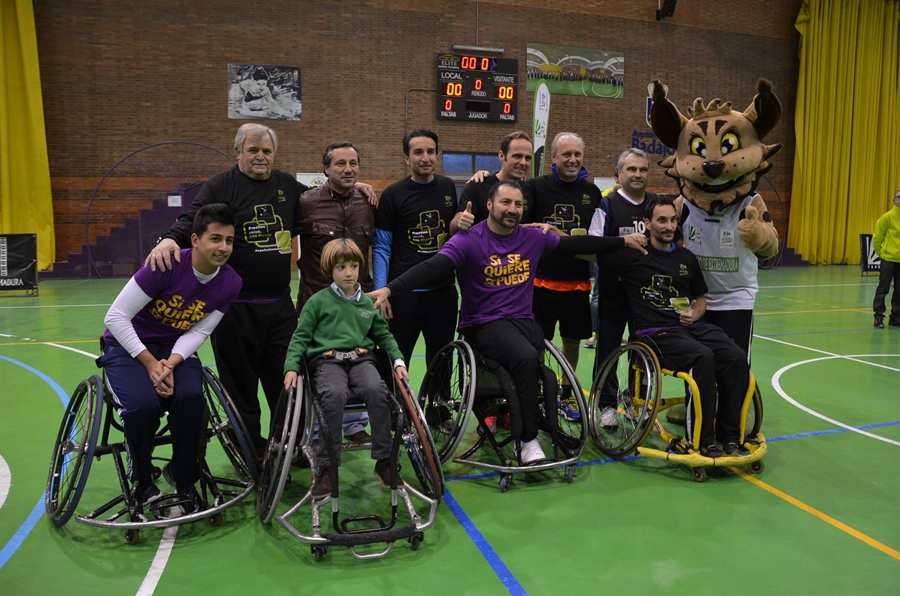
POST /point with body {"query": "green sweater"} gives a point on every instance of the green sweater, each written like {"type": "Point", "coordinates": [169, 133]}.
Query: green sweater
{"type": "Point", "coordinates": [329, 322]}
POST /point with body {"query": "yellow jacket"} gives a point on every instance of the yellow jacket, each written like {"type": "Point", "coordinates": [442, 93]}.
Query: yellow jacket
{"type": "Point", "coordinates": [886, 239]}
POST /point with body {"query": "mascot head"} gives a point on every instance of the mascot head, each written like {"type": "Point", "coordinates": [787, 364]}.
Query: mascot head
{"type": "Point", "coordinates": [719, 155]}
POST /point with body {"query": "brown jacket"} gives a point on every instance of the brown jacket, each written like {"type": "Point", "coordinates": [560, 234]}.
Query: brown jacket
{"type": "Point", "coordinates": [321, 216]}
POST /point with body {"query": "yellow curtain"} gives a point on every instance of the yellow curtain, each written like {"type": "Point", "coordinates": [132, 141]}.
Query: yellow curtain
{"type": "Point", "coordinates": [26, 204]}
{"type": "Point", "coordinates": [847, 163]}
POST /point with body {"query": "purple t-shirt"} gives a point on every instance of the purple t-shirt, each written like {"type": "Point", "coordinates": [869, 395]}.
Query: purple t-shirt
{"type": "Point", "coordinates": [178, 301]}
{"type": "Point", "coordinates": [496, 273]}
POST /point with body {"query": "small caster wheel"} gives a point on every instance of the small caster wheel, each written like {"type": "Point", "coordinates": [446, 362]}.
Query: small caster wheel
{"type": "Point", "coordinates": [699, 474]}
{"type": "Point", "coordinates": [288, 479]}
{"type": "Point", "coordinates": [570, 474]}
{"type": "Point", "coordinates": [157, 472]}
{"type": "Point", "coordinates": [415, 541]}
{"type": "Point", "coordinates": [757, 467]}
{"type": "Point", "coordinates": [214, 520]}
{"type": "Point", "coordinates": [132, 536]}
{"type": "Point", "coordinates": [319, 553]}
{"type": "Point", "coordinates": [505, 481]}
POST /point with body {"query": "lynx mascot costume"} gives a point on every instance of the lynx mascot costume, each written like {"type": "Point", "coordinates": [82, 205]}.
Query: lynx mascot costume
{"type": "Point", "coordinates": [719, 159]}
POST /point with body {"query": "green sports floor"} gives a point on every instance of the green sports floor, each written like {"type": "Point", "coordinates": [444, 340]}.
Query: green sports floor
{"type": "Point", "coordinates": [822, 518]}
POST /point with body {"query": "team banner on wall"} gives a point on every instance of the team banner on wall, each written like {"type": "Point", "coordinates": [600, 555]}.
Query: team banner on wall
{"type": "Point", "coordinates": [576, 71]}
{"type": "Point", "coordinates": [18, 262]}
{"type": "Point", "coordinates": [539, 128]}
{"type": "Point", "coordinates": [264, 92]}
{"type": "Point", "coordinates": [868, 259]}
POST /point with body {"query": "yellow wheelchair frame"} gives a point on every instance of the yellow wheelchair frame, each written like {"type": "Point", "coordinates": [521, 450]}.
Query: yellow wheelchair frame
{"type": "Point", "coordinates": [639, 404]}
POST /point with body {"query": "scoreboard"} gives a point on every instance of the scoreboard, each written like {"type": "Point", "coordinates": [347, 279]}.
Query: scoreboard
{"type": "Point", "coordinates": [477, 88]}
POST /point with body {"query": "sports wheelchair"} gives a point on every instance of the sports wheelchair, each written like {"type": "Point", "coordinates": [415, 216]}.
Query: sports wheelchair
{"type": "Point", "coordinates": [460, 382]}
{"type": "Point", "coordinates": [291, 434]}
{"type": "Point", "coordinates": [84, 434]}
{"type": "Point", "coordinates": [634, 370]}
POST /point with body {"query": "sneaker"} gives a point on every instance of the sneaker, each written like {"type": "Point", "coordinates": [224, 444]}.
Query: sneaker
{"type": "Point", "coordinates": [609, 418]}
{"type": "Point", "coordinates": [491, 423]}
{"type": "Point", "coordinates": [712, 451]}
{"type": "Point", "coordinates": [383, 473]}
{"type": "Point", "coordinates": [321, 488]}
{"type": "Point", "coordinates": [879, 322]}
{"type": "Point", "coordinates": [732, 449]}
{"type": "Point", "coordinates": [569, 409]}
{"type": "Point", "coordinates": [894, 321]}
{"type": "Point", "coordinates": [193, 502]}
{"type": "Point", "coordinates": [359, 436]}
{"type": "Point", "coordinates": [531, 452]}
{"type": "Point", "coordinates": [591, 343]}
{"type": "Point", "coordinates": [150, 494]}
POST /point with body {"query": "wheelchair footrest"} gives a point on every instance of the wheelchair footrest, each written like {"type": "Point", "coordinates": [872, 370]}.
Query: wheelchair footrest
{"type": "Point", "coordinates": [371, 537]}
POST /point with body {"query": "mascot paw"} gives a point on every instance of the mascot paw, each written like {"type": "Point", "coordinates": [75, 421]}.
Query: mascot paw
{"type": "Point", "coordinates": [754, 232]}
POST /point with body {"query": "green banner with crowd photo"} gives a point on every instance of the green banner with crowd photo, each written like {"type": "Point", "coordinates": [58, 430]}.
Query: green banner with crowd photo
{"type": "Point", "coordinates": [576, 71]}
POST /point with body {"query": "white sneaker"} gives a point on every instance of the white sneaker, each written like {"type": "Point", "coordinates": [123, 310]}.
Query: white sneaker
{"type": "Point", "coordinates": [609, 418]}
{"type": "Point", "coordinates": [531, 452]}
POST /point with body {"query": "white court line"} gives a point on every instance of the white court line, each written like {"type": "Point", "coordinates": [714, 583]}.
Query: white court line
{"type": "Point", "coordinates": [148, 586]}
{"type": "Point", "coordinates": [819, 286]}
{"type": "Point", "coordinates": [168, 538]}
{"type": "Point", "coordinates": [832, 354]}
{"type": "Point", "coordinates": [5, 480]}
{"type": "Point", "coordinates": [55, 306]}
{"type": "Point", "coordinates": [88, 354]}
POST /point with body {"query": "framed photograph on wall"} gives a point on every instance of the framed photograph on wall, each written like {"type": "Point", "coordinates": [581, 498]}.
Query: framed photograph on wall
{"type": "Point", "coordinates": [261, 92]}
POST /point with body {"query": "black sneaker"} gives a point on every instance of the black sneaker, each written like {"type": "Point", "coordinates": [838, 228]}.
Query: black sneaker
{"type": "Point", "coordinates": [149, 494]}
{"type": "Point", "coordinates": [879, 322]}
{"type": "Point", "coordinates": [894, 321]}
{"type": "Point", "coordinates": [321, 488]}
{"type": "Point", "coordinates": [732, 449]}
{"type": "Point", "coordinates": [192, 501]}
{"type": "Point", "coordinates": [712, 451]}
{"type": "Point", "coordinates": [383, 473]}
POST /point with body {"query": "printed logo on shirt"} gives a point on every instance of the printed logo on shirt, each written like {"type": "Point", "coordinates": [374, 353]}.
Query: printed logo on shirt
{"type": "Point", "coordinates": [564, 217]}
{"type": "Point", "coordinates": [695, 235]}
{"type": "Point", "coordinates": [726, 238]}
{"type": "Point", "coordinates": [175, 314]}
{"type": "Point", "coordinates": [281, 197]}
{"type": "Point", "coordinates": [426, 236]}
{"type": "Point", "coordinates": [719, 264]}
{"type": "Point", "coordinates": [448, 201]}
{"type": "Point", "coordinates": [266, 230]}
{"type": "Point", "coordinates": [510, 270]}
{"type": "Point", "coordinates": [585, 199]}
{"type": "Point", "coordinates": [683, 270]}
{"type": "Point", "coordinates": [364, 314]}
{"type": "Point", "coordinates": [660, 292]}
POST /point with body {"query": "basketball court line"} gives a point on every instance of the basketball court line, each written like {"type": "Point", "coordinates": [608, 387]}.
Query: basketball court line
{"type": "Point", "coordinates": [56, 306]}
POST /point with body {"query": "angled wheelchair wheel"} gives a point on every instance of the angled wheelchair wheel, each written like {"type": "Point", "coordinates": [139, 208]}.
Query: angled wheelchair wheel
{"type": "Point", "coordinates": [228, 427]}
{"type": "Point", "coordinates": [420, 446]}
{"type": "Point", "coordinates": [283, 438]}
{"type": "Point", "coordinates": [571, 419]}
{"type": "Point", "coordinates": [74, 450]}
{"type": "Point", "coordinates": [753, 422]}
{"type": "Point", "coordinates": [634, 372]}
{"type": "Point", "coordinates": [446, 395]}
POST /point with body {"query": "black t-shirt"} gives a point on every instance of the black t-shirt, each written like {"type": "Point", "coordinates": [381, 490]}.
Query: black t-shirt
{"type": "Point", "coordinates": [478, 193]}
{"type": "Point", "coordinates": [569, 207]}
{"type": "Point", "coordinates": [264, 214]}
{"type": "Point", "coordinates": [620, 218]}
{"type": "Point", "coordinates": [418, 217]}
{"type": "Point", "coordinates": [652, 280]}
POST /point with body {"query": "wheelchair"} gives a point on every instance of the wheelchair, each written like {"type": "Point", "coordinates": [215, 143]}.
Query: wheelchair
{"type": "Point", "coordinates": [85, 434]}
{"type": "Point", "coordinates": [635, 372]}
{"type": "Point", "coordinates": [291, 434]}
{"type": "Point", "coordinates": [460, 382]}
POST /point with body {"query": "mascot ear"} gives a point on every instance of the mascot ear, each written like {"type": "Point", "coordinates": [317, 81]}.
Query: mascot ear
{"type": "Point", "coordinates": [765, 111]}
{"type": "Point", "coordinates": [667, 121]}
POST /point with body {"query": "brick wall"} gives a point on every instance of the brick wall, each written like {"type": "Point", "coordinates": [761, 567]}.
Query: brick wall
{"type": "Point", "coordinates": [117, 77]}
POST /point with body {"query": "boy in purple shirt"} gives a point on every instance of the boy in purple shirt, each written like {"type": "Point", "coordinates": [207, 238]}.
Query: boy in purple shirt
{"type": "Point", "coordinates": [154, 327]}
{"type": "Point", "coordinates": [494, 262]}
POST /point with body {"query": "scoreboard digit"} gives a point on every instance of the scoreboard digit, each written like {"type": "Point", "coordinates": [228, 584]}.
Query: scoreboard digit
{"type": "Point", "coordinates": [477, 88]}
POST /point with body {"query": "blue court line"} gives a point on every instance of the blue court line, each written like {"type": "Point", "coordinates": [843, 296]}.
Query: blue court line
{"type": "Point", "coordinates": [31, 521]}
{"type": "Point", "coordinates": [490, 555]}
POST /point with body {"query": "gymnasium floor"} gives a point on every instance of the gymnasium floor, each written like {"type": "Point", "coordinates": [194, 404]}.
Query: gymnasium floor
{"type": "Point", "coordinates": [823, 518]}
